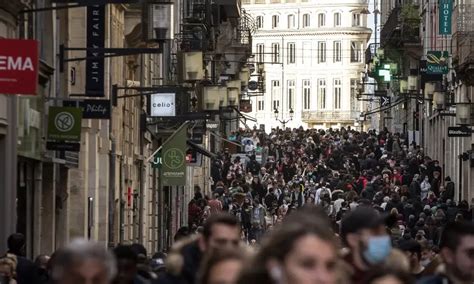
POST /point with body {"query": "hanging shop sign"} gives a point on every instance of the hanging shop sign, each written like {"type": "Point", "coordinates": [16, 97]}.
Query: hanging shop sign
{"type": "Point", "coordinates": [64, 123]}
{"type": "Point", "coordinates": [173, 168]}
{"type": "Point", "coordinates": [92, 109]}
{"type": "Point", "coordinates": [18, 66]}
{"type": "Point", "coordinates": [245, 106]}
{"type": "Point", "coordinates": [445, 15]}
{"type": "Point", "coordinates": [157, 161]}
{"type": "Point", "coordinates": [385, 101]}
{"type": "Point", "coordinates": [95, 60]}
{"type": "Point", "coordinates": [437, 62]}
{"type": "Point", "coordinates": [459, 131]}
{"type": "Point", "coordinates": [63, 146]}
{"type": "Point", "coordinates": [163, 105]}
{"type": "Point", "coordinates": [212, 125]}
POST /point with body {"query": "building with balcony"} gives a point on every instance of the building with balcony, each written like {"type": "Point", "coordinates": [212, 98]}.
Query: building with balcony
{"type": "Point", "coordinates": [313, 56]}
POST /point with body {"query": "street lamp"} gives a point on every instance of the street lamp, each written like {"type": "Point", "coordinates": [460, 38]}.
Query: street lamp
{"type": "Point", "coordinates": [438, 99]}
{"type": "Point", "coordinates": [283, 121]}
{"type": "Point", "coordinates": [463, 114]}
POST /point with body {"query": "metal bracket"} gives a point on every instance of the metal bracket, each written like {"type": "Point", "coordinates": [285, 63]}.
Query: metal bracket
{"type": "Point", "coordinates": [105, 52]}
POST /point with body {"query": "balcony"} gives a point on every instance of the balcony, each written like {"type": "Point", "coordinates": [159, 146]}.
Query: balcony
{"type": "Point", "coordinates": [329, 116]}
{"type": "Point", "coordinates": [402, 27]}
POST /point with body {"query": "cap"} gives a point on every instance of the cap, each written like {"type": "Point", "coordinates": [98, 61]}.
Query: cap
{"type": "Point", "coordinates": [362, 217]}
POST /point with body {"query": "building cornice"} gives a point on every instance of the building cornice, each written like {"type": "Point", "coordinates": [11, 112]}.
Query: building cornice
{"type": "Point", "coordinates": [364, 32]}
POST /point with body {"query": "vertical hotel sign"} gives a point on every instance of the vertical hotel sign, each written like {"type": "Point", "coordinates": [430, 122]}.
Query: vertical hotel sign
{"type": "Point", "coordinates": [445, 15]}
{"type": "Point", "coordinates": [95, 60]}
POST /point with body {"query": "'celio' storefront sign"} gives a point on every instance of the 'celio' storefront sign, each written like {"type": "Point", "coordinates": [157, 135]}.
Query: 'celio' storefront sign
{"type": "Point", "coordinates": [18, 66]}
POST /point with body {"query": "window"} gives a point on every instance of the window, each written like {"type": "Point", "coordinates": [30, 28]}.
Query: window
{"type": "Point", "coordinates": [260, 52]}
{"type": "Point", "coordinates": [276, 104]}
{"type": "Point", "coordinates": [321, 52]}
{"type": "Point", "coordinates": [337, 93]}
{"type": "Point", "coordinates": [356, 20]}
{"type": "Point", "coordinates": [306, 53]}
{"type": "Point", "coordinates": [337, 56]}
{"type": "Point", "coordinates": [259, 22]}
{"type": "Point", "coordinates": [291, 21]}
{"type": "Point", "coordinates": [354, 103]}
{"type": "Point", "coordinates": [306, 20]}
{"type": "Point", "coordinates": [275, 52]}
{"type": "Point", "coordinates": [291, 94]}
{"type": "Point", "coordinates": [337, 19]}
{"type": "Point", "coordinates": [275, 21]}
{"type": "Point", "coordinates": [261, 105]}
{"type": "Point", "coordinates": [356, 51]}
{"type": "Point", "coordinates": [276, 93]}
{"type": "Point", "coordinates": [306, 94]}
{"type": "Point", "coordinates": [291, 53]}
{"type": "Point", "coordinates": [321, 20]}
{"type": "Point", "coordinates": [322, 93]}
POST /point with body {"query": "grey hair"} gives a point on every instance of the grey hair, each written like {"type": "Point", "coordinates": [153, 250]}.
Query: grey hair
{"type": "Point", "coordinates": [78, 251]}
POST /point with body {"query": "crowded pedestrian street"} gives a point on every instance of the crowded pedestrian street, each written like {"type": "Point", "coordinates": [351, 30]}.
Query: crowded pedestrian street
{"type": "Point", "coordinates": [236, 142]}
{"type": "Point", "coordinates": [302, 206]}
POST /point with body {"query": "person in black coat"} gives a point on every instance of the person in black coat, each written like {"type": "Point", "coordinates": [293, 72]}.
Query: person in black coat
{"type": "Point", "coordinates": [449, 193]}
{"type": "Point", "coordinates": [26, 270]}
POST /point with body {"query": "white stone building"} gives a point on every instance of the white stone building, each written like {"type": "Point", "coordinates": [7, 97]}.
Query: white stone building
{"type": "Point", "coordinates": [313, 53]}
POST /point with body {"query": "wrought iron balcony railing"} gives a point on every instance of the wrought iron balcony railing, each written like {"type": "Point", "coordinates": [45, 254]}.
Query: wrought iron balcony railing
{"type": "Point", "coordinates": [329, 116]}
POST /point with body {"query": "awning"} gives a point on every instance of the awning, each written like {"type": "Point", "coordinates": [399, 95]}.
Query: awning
{"type": "Point", "coordinates": [200, 149]}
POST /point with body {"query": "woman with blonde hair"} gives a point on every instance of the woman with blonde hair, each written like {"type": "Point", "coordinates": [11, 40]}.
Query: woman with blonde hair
{"type": "Point", "coordinates": [8, 269]}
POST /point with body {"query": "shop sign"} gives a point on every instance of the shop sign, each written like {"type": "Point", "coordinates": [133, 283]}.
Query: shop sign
{"type": "Point", "coordinates": [95, 60]}
{"type": "Point", "coordinates": [212, 125]}
{"type": "Point", "coordinates": [163, 105]}
{"type": "Point", "coordinates": [92, 109]}
{"type": "Point", "coordinates": [437, 62]}
{"type": "Point", "coordinates": [445, 15]}
{"type": "Point", "coordinates": [459, 131]}
{"type": "Point", "coordinates": [64, 123]}
{"type": "Point", "coordinates": [18, 66]}
{"type": "Point", "coordinates": [253, 85]}
{"type": "Point", "coordinates": [63, 146]}
{"type": "Point", "coordinates": [173, 168]}
{"type": "Point", "coordinates": [157, 161]}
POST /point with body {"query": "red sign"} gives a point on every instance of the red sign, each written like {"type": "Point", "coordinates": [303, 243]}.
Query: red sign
{"type": "Point", "coordinates": [18, 66]}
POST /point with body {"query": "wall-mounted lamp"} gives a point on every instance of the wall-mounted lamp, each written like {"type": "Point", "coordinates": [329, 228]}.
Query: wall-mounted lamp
{"type": "Point", "coordinates": [463, 113]}
{"type": "Point", "coordinates": [438, 99]}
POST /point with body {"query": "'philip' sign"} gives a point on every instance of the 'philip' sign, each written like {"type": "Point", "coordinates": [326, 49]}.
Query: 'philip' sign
{"type": "Point", "coordinates": [18, 66]}
{"type": "Point", "coordinates": [163, 104]}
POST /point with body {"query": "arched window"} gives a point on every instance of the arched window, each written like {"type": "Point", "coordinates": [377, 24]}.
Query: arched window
{"type": "Point", "coordinates": [337, 19]}
{"type": "Point", "coordinates": [306, 20]}
{"type": "Point", "coordinates": [321, 20]}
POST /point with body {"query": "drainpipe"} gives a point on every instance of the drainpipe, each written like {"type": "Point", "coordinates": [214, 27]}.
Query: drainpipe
{"type": "Point", "coordinates": [142, 161]}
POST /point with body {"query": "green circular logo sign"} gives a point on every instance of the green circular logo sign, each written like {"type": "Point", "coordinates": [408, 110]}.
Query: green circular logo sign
{"type": "Point", "coordinates": [174, 158]}
{"type": "Point", "coordinates": [64, 121]}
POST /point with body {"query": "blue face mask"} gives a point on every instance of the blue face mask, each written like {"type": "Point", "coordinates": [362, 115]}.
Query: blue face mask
{"type": "Point", "coordinates": [378, 249]}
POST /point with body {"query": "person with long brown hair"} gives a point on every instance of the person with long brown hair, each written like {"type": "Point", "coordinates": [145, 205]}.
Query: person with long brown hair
{"type": "Point", "coordinates": [301, 250]}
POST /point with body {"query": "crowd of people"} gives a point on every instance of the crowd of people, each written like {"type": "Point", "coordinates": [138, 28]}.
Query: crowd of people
{"type": "Point", "coordinates": [295, 206]}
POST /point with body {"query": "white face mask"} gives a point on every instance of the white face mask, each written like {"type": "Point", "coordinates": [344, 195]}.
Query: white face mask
{"type": "Point", "coordinates": [425, 262]}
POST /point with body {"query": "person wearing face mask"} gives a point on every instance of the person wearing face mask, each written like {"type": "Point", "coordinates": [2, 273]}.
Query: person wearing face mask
{"type": "Point", "coordinates": [364, 233]}
{"type": "Point", "coordinates": [425, 187]}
